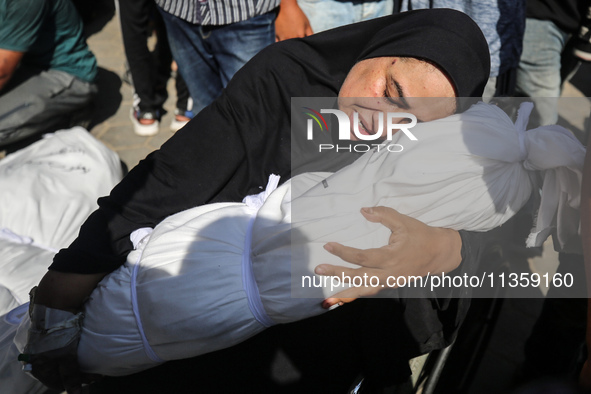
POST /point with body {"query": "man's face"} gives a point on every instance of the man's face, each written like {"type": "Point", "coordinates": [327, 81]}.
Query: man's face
{"type": "Point", "coordinates": [394, 84]}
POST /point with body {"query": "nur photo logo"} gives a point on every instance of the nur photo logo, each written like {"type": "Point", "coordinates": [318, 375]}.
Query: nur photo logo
{"type": "Point", "coordinates": [387, 125]}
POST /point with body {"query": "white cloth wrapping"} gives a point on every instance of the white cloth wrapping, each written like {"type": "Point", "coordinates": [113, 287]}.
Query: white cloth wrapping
{"type": "Point", "coordinates": [47, 190]}
{"type": "Point", "coordinates": [184, 292]}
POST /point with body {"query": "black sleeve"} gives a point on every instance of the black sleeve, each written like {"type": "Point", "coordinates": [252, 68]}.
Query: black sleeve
{"type": "Point", "coordinates": [473, 249]}
{"type": "Point", "coordinates": [433, 318]}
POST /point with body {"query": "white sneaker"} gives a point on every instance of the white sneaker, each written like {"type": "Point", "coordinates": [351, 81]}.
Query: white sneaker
{"type": "Point", "coordinates": [145, 130]}
{"type": "Point", "coordinates": [177, 123]}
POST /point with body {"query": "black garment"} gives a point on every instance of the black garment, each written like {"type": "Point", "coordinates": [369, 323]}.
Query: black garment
{"type": "Point", "coordinates": [566, 14]}
{"type": "Point", "coordinates": [149, 70]}
{"type": "Point", "coordinates": [231, 147]}
{"type": "Point", "coordinates": [228, 151]}
{"type": "Point", "coordinates": [557, 340]}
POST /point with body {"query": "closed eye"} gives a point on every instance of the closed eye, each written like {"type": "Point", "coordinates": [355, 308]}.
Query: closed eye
{"type": "Point", "coordinates": [399, 100]}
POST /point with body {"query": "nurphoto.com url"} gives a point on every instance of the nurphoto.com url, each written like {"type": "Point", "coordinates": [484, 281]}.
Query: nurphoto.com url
{"type": "Point", "coordinates": [433, 282]}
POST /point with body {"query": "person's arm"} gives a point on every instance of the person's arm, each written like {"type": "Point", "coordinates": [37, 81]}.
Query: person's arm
{"type": "Point", "coordinates": [66, 291]}
{"type": "Point", "coordinates": [585, 377]}
{"type": "Point", "coordinates": [291, 21]}
{"type": "Point", "coordinates": [9, 61]}
{"type": "Point", "coordinates": [414, 248]}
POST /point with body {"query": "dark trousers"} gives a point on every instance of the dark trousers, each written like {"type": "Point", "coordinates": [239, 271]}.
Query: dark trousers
{"type": "Point", "coordinates": [149, 70]}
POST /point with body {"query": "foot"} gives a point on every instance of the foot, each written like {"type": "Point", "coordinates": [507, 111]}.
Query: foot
{"type": "Point", "coordinates": [181, 118]}
{"type": "Point", "coordinates": [145, 123]}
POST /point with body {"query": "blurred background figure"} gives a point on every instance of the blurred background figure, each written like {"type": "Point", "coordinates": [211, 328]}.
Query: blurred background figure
{"type": "Point", "coordinates": [149, 71]}
{"type": "Point", "coordinates": [550, 43]}
{"type": "Point", "coordinates": [328, 14]}
{"type": "Point", "coordinates": [47, 71]}
{"type": "Point", "coordinates": [503, 24]}
{"type": "Point", "coordinates": [555, 347]}
{"type": "Point", "coordinates": [211, 44]}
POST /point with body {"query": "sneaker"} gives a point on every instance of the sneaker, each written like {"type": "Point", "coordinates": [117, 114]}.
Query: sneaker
{"type": "Point", "coordinates": [181, 118]}
{"type": "Point", "coordinates": [150, 124]}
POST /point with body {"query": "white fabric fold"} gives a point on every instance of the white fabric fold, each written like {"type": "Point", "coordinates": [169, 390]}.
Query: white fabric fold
{"type": "Point", "coordinates": [9, 235]}
{"type": "Point", "coordinates": [255, 202]}
{"type": "Point", "coordinates": [47, 190]}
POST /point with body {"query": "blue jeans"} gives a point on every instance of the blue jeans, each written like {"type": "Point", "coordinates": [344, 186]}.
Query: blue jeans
{"type": "Point", "coordinates": [328, 14]}
{"type": "Point", "coordinates": [208, 56]}
{"type": "Point", "coordinates": [538, 75]}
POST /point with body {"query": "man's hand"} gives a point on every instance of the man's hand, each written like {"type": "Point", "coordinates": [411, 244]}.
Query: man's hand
{"type": "Point", "coordinates": [9, 61]}
{"type": "Point", "coordinates": [291, 22]}
{"type": "Point", "coordinates": [414, 249]}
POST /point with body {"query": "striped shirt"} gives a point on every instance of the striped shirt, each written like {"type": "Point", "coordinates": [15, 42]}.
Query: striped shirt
{"type": "Point", "coordinates": [217, 12]}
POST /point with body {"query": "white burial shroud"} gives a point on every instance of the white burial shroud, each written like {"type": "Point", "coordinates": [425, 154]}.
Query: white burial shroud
{"type": "Point", "coordinates": [47, 190]}
{"type": "Point", "coordinates": [210, 277]}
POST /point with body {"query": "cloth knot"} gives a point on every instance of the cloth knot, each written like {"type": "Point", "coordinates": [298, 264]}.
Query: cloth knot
{"type": "Point", "coordinates": [521, 125]}
{"type": "Point", "coordinates": [256, 201]}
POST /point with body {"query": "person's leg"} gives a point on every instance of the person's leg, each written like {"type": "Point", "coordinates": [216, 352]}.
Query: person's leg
{"type": "Point", "coordinates": [538, 75]}
{"type": "Point", "coordinates": [161, 55]}
{"type": "Point", "coordinates": [375, 9]}
{"type": "Point", "coordinates": [196, 63]}
{"type": "Point", "coordinates": [183, 112]}
{"type": "Point", "coordinates": [149, 70]}
{"type": "Point", "coordinates": [40, 103]}
{"type": "Point", "coordinates": [235, 44]}
{"type": "Point", "coordinates": [143, 65]}
{"type": "Point", "coordinates": [183, 98]}
{"type": "Point", "coordinates": [491, 88]}
{"type": "Point", "coordinates": [328, 14]}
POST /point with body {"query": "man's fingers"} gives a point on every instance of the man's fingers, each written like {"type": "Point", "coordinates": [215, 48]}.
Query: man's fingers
{"type": "Point", "coordinates": [335, 270]}
{"type": "Point", "coordinates": [334, 302]}
{"type": "Point", "coordinates": [349, 295]}
{"type": "Point", "coordinates": [387, 216]}
{"type": "Point", "coordinates": [371, 258]}
{"type": "Point", "coordinates": [361, 273]}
